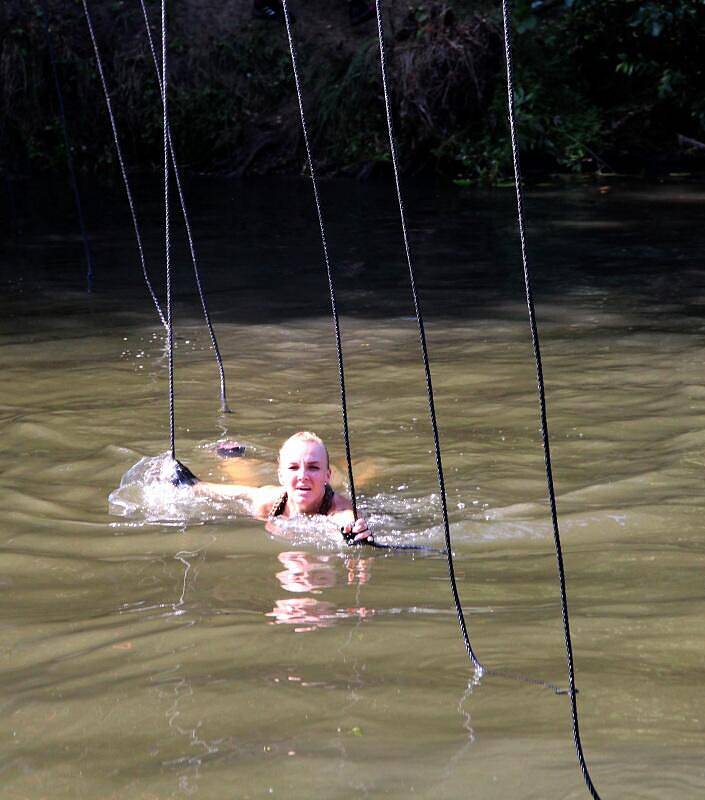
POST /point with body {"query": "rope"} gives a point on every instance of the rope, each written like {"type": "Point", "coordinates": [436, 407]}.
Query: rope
{"type": "Point", "coordinates": [329, 271]}
{"type": "Point", "coordinates": [422, 337]}
{"type": "Point", "coordinates": [542, 399]}
{"type": "Point", "coordinates": [121, 162]}
{"type": "Point", "coordinates": [192, 248]}
{"type": "Point", "coordinates": [419, 316]}
{"type": "Point", "coordinates": [67, 146]}
{"type": "Point", "coordinates": [424, 350]}
{"type": "Point", "coordinates": [167, 237]}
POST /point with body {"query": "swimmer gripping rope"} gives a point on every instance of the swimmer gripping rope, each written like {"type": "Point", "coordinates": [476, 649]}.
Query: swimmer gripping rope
{"type": "Point", "coordinates": [332, 293]}
{"type": "Point", "coordinates": [183, 476]}
{"type": "Point", "coordinates": [421, 548]}
{"type": "Point", "coordinates": [326, 259]}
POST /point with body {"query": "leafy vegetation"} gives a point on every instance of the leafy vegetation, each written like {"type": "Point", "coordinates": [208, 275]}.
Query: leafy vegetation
{"type": "Point", "coordinates": [602, 85]}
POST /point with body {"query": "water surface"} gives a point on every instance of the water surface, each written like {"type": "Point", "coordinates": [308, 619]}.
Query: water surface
{"type": "Point", "coordinates": [205, 658]}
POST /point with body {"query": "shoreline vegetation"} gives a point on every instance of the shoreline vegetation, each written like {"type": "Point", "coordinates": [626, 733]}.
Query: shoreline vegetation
{"type": "Point", "coordinates": [603, 86]}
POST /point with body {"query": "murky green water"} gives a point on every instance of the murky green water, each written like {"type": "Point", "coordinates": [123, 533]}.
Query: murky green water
{"type": "Point", "coordinates": [212, 660]}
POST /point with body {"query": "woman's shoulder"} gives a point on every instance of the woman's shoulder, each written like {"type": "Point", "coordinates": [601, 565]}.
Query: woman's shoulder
{"type": "Point", "coordinates": [341, 510]}
{"type": "Point", "coordinates": [339, 503]}
{"type": "Point", "coordinates": [264, 498]}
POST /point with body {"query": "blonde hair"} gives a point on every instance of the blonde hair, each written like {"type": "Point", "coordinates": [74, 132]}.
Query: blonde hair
{"type": "Point", "coordinates": [305, 436]}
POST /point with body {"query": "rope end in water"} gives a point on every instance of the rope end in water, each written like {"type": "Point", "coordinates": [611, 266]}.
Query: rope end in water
{"type": "Point", "coordinates": [181, 475]}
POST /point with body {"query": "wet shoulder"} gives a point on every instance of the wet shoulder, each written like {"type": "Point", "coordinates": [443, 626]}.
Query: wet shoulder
{"type": "Point", "coordinates": [340, 505]}
{"type": "Point", "coordinates": [264, 498]}
{"type": "Point", "coordinates": [341, 510]}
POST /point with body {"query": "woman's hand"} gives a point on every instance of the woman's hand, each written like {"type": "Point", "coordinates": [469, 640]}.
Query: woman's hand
{"type": "Point", "coordinates": [357, 532]}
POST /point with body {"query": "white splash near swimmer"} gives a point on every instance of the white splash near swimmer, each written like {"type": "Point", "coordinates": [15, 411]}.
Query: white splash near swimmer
{"type": "Point", "coordinates": [147, 494]}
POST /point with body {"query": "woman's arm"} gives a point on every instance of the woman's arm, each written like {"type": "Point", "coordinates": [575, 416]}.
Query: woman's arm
{"type": "Point", "coordinates": [259, 498]}
{"type": "Point", "coordinates": [226, 491]}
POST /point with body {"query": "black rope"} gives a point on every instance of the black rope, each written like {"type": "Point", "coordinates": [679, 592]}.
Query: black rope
{"type": "Point", "coordinates": [369, 542]}
{"type": "Point", "coordinates": [542, 400]}
{"type": "Point", "coordinates": [424, 351]}
{"type": "Point", "coordinates": [422, 548]}
{"type": "Point", "coordinates": [67, 145]}
{"type": "Point", "coordinates": [422, 335]}
{"type": "Point", "coordinates": [329, 270]}
{"type": "Point", "coordinates": [192, 247]}
{"type": "Point", "coordinates": [121, 161]}
{"type": "Point", "coordinates": [167, 237]}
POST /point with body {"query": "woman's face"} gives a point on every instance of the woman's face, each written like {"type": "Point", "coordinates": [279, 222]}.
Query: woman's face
{"type": "Point", "coordinates": [304, 472]}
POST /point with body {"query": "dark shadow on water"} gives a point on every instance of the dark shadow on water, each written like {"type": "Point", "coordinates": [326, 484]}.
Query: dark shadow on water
{"type": "Point", "coordinates": [625, 246]}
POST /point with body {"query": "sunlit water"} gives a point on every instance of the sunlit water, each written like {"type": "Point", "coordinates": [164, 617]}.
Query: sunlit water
{"type": "Point", "coordinates": [162, 647]}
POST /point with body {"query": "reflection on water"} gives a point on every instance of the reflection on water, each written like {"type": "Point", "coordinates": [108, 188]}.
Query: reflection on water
{"type": "Point", "coordinates": [152, 655]}
{"type": "Point", "coordinates": [305, 572]}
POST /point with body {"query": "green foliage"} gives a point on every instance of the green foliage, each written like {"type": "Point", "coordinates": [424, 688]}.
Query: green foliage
{"type": "Point", "coordinates": [599, 84]}
{"type": "Point", "coordinates": [441, 74]}
{"type": "Point", "coordinates": [349, 116]}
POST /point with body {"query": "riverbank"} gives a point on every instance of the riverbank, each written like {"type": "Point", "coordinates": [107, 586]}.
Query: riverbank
{"type": "Point", "coordinates": [600, 88]}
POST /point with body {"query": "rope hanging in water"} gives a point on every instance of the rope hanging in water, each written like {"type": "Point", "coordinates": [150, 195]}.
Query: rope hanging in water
{"type": "Point", "coordinates": [121, 161]}
{"type": "Point", "coordinates": [167, 236]}
{"type": "Point", "coordinates": [329, 270]}
{"type": "Point", "coordinates": [424, 349]}
{"type": "Point", "coordinates": [67, 145]}
{"type": "Point", "coordinates": [192, 247]}
{"type": "Point", "coordinates": [479, 666]}
{"type": "Point", "coordinates": [181, 475]}
{"type": "Point", "coordinates": [542, 398]}
{"type": "Point", "coordinates": [123, 171]}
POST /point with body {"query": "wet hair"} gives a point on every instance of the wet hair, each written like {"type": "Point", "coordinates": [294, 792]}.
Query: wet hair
{"type": "Point", "coordinates": [305, 436]}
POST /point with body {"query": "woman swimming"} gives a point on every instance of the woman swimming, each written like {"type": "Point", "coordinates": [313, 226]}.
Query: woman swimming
{"type": "Point", "coordinates": [304, 475]}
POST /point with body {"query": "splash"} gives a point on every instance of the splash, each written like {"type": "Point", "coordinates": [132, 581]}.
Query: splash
{"type": "Point", "coordinates": [147, 494]}
{"type": "Point", "coordinates": [394, 521]}
{"type": "Point", "coordinates": [312, 531]}
{"type": "Point", "coordinates": [402, 519]}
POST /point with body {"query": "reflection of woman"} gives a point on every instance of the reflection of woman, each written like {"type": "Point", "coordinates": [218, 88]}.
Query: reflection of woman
{"type": "Point", "coordinates": [304, 572]}
{"type": "Point", "coordinates": [304, 475]}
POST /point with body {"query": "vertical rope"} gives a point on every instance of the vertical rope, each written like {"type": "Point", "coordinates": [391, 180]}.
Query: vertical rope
{"type": "Point", "coordinates": [192, 247]}
{"type": "Point", "coordinates": [167, 237]}
{"type": "Point", "coordinates": [121, 162]}
{"type": "Point", "coordinates": [329, 271]}
{"type": "Point", "coordinates": [67, 146]}
{"type": "Point", "coordinates": [542, 399]}
{"type": "Point", "coordinates": [424, 348]}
